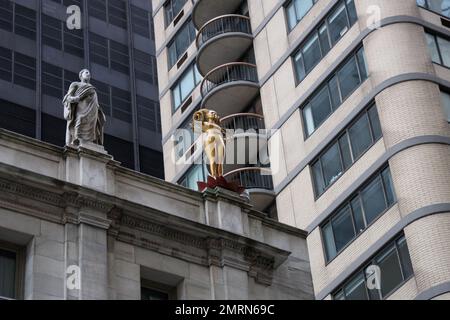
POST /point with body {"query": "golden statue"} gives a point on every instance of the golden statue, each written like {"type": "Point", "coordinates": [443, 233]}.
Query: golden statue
{"type": "Point", "coordinates": [213, 139]}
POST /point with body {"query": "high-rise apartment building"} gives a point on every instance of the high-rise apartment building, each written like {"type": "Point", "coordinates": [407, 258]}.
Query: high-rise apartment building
{"type": "Point", "coordinates": [40, 56]}
{"type": "Point", "coordinates": [356, 93]}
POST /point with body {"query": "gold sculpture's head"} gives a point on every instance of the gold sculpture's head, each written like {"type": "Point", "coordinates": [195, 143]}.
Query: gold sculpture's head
{"type": "Point", "coordinates": [205, 115]}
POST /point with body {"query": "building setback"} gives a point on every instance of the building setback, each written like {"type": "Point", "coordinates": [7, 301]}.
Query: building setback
{"type": "Point", "coordinates": [357, 94]}
{"type": "Point", "coordinates": [40, 56]}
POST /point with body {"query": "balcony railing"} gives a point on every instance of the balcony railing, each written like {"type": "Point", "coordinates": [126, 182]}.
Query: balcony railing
{"type": "Point", "coordinates": [228, 73]}
{"type": "Point", "coordinates": [243, 121]}
{"type": "Point", "coordinates": [221, 25]}
{"type": "Point", "coordinates": [252, 178]}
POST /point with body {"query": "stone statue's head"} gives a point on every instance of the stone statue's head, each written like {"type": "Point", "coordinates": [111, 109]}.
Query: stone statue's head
{"type": "Point", "coordinates": [85, 75]}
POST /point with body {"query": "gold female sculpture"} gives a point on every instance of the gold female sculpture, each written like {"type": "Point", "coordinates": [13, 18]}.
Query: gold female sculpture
{"type": "Point", "coordinates": [213, 141]}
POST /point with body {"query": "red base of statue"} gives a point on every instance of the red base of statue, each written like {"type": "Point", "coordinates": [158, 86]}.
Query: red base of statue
{"type": "Point", "coordinates": [220, 182]}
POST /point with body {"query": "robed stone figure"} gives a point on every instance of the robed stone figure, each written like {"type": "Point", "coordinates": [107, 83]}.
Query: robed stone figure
{"type": "Point", "coordinates": [85, 118]}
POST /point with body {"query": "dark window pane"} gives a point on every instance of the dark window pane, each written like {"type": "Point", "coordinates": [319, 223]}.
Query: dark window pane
{"type": "Point", "coordinates": [405, 258]}
{"type": "Point", "coordinates": [345, 151]}
{"type": "Point", "coordinates": [324, 40]}
{"type": "Point", "coordinates": [360, 224]}
{"type": "Point", "coordinates": [373, 200]}
{"type": "Point", "coordinates": [348, 78]}
{"type": "Point", "coordinates": [149, 294]}
{"type": "Point", "coordinates": [391, 273]}
{"type": "Point", "coordinates": [375, 123]}
{"type": "Point", "coordinates": [319, 184]}
{"type": "Point", "coordinates": [343, 228]}
{"type": "Point", "coordinates": [121, 150]}
{"type": "Point", "coordinates": [360, 136]}
{"type": "Point", "coordinates": [352, 15]}
{"type": "Point", "coordinates": [321, 107]}
{"type": "Point", "coordinates": [7, 274]}
{"type": "Point", "coordinates": [389, 186]}
{"type": "Point", "coordinates": [335, 95]}
{"type": "Point", "coordinates": [332, 166]}
{"type": "Point", "coordinates": [17, 118]}
{"type": "Point", "coordinates": [328, 239]}
{"type": "Point", "coordinates": [311, 53]}
{"type": "Point", "coordinates": [151, 162]}
{"type": "Point", "coordinates": [338, 23]}
{"type": "Point", "coordinates": [356, 289]}
{"type": "Point", "coordinates": [362, 64]}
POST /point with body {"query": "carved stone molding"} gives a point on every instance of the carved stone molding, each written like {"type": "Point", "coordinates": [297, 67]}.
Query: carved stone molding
{"type": "Point", "coordinates": [205, 249]}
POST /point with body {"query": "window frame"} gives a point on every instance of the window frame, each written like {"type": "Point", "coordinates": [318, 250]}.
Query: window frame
{"type": "Point", "coordinates": [348, 203]}
{"type": "Point", "coordinates": [438, 47]}
{"type": "Point", "coordinates": [294, 4]}
{"type": "Point", "coordinates": [192, 68]}
{"type": "Point", "coordinates": [19, 280]}
{"type": "Point", "coordinates": [326, 82]}
{"type": "Point", "coordinates": [323, 22]}
{"type": "Point", "coordinates": [393, 243]}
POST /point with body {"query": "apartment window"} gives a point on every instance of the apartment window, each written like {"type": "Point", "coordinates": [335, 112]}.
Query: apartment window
{"type": "Point", "coordinates": [109, 53]}
{"type": "Point", "coordinates": [181, 42]}
{"type": "Point", "coordinates": [121, 104]}
{"type": "Point", "coordinates": [8, 274]}
{"type": "Point", "coordinates": [334, 92]}
{"type": "Point", "coordinates": [145, 67]}
{"type": "Point", "coordinates": [395, 265]}
{"type": "Point", "coordinates": [439, 49]}
{"type": "Point", "coordinates": [439, 6]}
{"type": "Point", "coordinates": [319, 43]}
{"type": "Point", "coordinates": [25, 22]}
{"type": "Point", "coordinates": [185, 85]}
{"type": "Point", "coordinates": [148, 114]}
{"type": "Point", "coordinates": [296, 10]}
{"type": "Point", "coordinates": [24, 71]}
{"type": "Point", "coordinates": [446, 104]}
{"type": "Point", "coordinates": [111, 11]}
{"type": "Point", "coordinates": [141, 22]}
{"type": "Point", "coordinates": [346, 150]}
{"type": "Point", "coordinates": [6, 15]}
{"type": "Point", "coordinates": [6, 61]}
{"type": "Point", "coordinates": [198, 172]}
{"type": "Point", "coordinates": [358, 213]}
{"type": "Point", "coordinates": [172, 8]}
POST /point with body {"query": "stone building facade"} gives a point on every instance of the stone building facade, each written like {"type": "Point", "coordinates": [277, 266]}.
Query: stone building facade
{"type": "Point", "coordinates": [74, 224]}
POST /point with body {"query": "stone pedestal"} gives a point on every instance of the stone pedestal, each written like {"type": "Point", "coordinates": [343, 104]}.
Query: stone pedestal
{"type": "Point", "coordinates": [87, 165]}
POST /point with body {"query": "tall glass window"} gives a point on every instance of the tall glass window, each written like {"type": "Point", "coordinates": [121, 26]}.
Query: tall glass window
{"type": "Point", "coordinates": [333, 93]}
{"type": "Point", "coordinates": [319, 42]}
{"type": "Point", "coordinates": [185, 85]}
{"type": "Point", "coordinates": [395, 266]}
{"type": "Point", "coordinates": [7, 274]}
{"type": "Point", "coordinates": [197, 173]}
{"type": "Point", "coordinates": [172, 8]}
{"type": "Point", "coordinates": [358, 213]}
{"type": "Point", "coordinates": [296, 10]}
{"type": "Point", "coordinates": [181, 42]}
{"type": "Point", "coordinates": [439, 49]}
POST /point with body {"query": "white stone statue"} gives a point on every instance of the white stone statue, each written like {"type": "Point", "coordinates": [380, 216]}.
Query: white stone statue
{"type": "Point", "coordinates": [85, 118]}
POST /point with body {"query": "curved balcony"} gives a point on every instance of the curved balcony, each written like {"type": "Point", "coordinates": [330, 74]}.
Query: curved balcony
{"type": "Point", "coordinates": [205, 10]}
{"type": "Point", "coordinates": [244, 122]}
{"type": "Point", "coordinates": [258, 182]}
{"type": "Point", "coordinates": [223, 40]}
{"type": "Point", "coordinates": [230, 88]}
